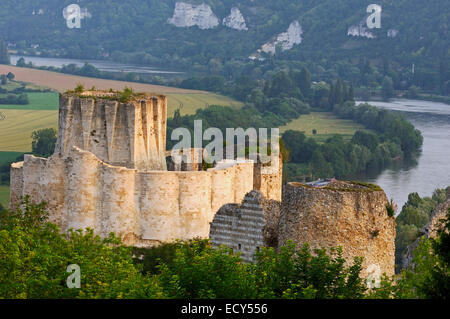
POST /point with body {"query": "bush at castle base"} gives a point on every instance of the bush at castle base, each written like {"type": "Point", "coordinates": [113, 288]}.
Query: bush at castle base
{"type": "Point", "coordinates": [34, 257]}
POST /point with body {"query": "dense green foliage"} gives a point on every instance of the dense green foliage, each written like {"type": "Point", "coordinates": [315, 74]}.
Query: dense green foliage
{"type": "Point", "coordinates": [44, 141]}
{"type": "Point", "coordinates": [287, 95]}
{"type": "Point", "coordinates": [34, 257]}
{"type": "Point", "coordinates": [429, 277]}
{"type": "Point", "coordinates": [204, 272]}
{"type": "Point", "coordinates": [21, 99]}
{"type": "Point", "coordinates": [270, 103]}
{"type": "Point", "coordinates": [39, 256]}
{"type": "Point", "coordinates": [4, 55]}
{"type": "Point", "coordinates": [414, 216]}
{"type": "Point", "coordinates": [15, 96]}
{"type": "Point", "coordinates": [5, 169]}
{"type": "Point", "coordinates": [394, 137]}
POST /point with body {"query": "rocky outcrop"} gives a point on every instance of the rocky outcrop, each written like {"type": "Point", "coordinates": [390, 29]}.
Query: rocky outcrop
{"type": "Point", "coordinates": [285, 40]}
{"type": "Point", "coordinates": [360, 31]}
{"type": "Point", "coordinates": [189, 15]}
{"type": "Point", "coordinates": [392, 33]}
{"type": "Point", "coordinates": [235, 20]}
{"type": "Point", "coordinates": [349, 215]}
{"type": "Point", "coordinates": [247, 227]}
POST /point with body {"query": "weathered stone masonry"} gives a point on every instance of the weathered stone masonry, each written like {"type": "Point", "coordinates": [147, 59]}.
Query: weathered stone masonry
{"type": "Point", "coordinates": [247, 227]}
{"type": "Point", "coordinates": [341, 214]}
{"type": "Point", "coordinates": [349, 215]}
{"type": "Point", "coordinates": [108, 173]}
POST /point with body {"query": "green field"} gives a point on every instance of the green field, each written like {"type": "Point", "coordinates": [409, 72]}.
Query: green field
{"type": "Point", "coordinates": [4, 196]}
{"type": "Point", "coordinates": [38, 101]}
{"type": "Point", "coordinates": [16, 128]}
{"type": "Point", "coordinates": [8, 157]}
{"type": "Point", "coordinates": [326, 123]}
{"type": "Point", "coordinates": [17, 122]}
{"type": "Point", "coordinates": [11, 85]}
{"type": "Point", "coordinates": [190, 102]}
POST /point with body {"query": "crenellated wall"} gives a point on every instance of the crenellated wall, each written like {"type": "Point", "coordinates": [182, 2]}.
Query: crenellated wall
{"type": "Point", "coordinates": [142, 207]}
{"type": "Point", "coordinates": [108, 173]}
{"type": "Point", "coordinates": [268, 179]}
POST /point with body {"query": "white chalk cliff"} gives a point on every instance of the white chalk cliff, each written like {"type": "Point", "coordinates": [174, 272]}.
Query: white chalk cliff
{"type": "Point", "coordinates": [189, 15]}
{"type": "Point", "coordinates": [286, 40]}
{"type": "Point", "coordinates": [360, 31]}
{"type": "Point", "coordinates": [235, 20]}
{"type": "Point", "coordinates": [392, 33]}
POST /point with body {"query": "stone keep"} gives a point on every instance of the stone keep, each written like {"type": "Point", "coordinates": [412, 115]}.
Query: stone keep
{"type": "Point", "coordinates": [131, 135]}
{"type": "Point", "coordinates": [108, 173]}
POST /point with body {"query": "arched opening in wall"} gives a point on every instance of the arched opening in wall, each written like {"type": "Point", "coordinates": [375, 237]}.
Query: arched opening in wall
{"type": "Point", "coordinates": [239, 246]}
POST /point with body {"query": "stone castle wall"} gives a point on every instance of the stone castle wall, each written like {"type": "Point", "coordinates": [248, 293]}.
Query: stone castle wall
{"type": "Point", "coordinates": [348, 215]}
{"type": "Point", "coordinates": [108, 173]}
{"type": "Point", "coordinates": [142, 207]}
{"type": "Point", "coordinates": [268, 179]}
{"type": "Point", "coordinates": [247, 227]}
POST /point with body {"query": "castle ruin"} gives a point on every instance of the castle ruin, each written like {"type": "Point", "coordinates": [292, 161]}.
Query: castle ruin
{"type": "Point", "coordinates": [109, 173]}
{"type": "Point", "coordinates": [350, 215]}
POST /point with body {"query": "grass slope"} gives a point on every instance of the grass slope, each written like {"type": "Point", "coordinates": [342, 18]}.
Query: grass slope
{"type": "Point", "coordinates": [16, 129]}
{"type": "Point", "coordinates": [191, 100]}
{"type": "Point", "coordinates": [4, 196]}
{"type": "Point", "coordinates": [190, 103]}
{"type": "Point", "coordinates": [8, 157]}
{"type": "Point", "coordinates": [326, 124]}
{"type": "Point", "coordinates": [38, 101]}
{"type": "Point", "coordinates": [17, 122]}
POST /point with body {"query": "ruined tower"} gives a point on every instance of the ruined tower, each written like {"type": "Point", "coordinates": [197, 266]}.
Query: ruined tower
{"type": "Point", "coordinates": [131, 134]}
{"type": "Point", "coordinates": [347, 214]}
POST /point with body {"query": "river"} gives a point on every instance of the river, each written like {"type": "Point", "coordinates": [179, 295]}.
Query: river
{"type": "Point", "coordinates": [432, 168]}
{"type": "Point", "coordinates": [107, 66]}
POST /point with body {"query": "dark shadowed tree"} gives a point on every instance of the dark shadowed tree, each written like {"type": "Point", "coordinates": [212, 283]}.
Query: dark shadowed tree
{"type": "Point", "coordinates": [4, 55]}
{"type": "Point", "coordinates": [44, 141]}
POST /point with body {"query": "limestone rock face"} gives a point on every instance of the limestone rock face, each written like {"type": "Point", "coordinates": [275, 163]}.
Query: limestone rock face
{"type": "Point", "coordinates": [189, 15]}
{"type": "Point", "coordinates": [235, 20]}
{"type": "Point", "coordinates": [286, 40]}
{"type": "Point", "coordinates": [347, 215]}
{"type": "Point", "coordinates": [392, 33]}
{"type": "Point", "coordinates": [360, 31]}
